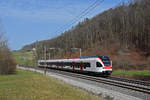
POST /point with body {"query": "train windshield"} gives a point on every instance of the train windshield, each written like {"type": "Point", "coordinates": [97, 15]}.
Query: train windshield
{"type": "Point", "coordinates": [105, 60]}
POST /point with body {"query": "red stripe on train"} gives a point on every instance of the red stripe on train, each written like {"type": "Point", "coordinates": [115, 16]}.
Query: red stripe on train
{"type": "Point", "coordinates": [107, 67]}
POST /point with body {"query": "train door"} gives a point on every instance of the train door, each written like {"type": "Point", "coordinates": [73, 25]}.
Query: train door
{"type": "Point", "coordinates": [93, 65]}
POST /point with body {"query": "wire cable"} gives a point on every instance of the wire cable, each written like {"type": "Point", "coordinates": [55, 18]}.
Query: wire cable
{"type": "Point", "coordinates": [81, 15]}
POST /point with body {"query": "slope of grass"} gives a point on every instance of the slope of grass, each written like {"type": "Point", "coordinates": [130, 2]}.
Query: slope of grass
{"type": "Point", "coordinates": [26, 85]}
{"type": "Point", "coordinates": [131, 72]}
{"type": "Point", "coordinates": [23, 58]}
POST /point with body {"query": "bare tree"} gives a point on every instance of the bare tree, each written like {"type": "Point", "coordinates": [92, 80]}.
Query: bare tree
{"type": "Point", "coordinates": [7, 63]}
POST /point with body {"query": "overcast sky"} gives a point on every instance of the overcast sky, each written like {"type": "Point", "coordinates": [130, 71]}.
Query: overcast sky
{"type": "Point", "coordinates": [26, 21]}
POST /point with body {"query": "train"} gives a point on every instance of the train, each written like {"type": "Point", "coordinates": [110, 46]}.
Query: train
{"type": "Point", "coordinates": [98, 65]}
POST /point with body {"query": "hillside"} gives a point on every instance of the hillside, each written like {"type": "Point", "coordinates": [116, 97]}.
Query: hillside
{"type": "Point", "coordinates": [122, 32]}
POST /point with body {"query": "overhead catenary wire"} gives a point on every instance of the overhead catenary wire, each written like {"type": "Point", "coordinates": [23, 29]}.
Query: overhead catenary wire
{"type": "Point", "coordinates": [81, 15]}
{"type": "Point", "coordinates": [84, 14]}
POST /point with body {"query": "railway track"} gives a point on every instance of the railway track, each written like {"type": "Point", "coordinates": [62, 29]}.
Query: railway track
{"type": "Point", "coordinates": [140, 86]}
{"type": "Point", "coordinates": [144, 83]}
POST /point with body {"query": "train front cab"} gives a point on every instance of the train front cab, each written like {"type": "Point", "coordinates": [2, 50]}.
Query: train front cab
{"type": "Point", "coordinates": [103, 69]}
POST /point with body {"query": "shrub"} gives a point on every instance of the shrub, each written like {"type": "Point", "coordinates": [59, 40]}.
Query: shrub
{"type": "Point", "coordinates": [7, 63]}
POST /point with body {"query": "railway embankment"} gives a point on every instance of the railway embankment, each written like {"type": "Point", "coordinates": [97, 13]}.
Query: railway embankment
{"type": "Point", "coordinates": [106, 91]}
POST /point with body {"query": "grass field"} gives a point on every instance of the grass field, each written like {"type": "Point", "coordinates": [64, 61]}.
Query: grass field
{"type": "Point", "coordinates": [132, 72]}
{"type": "Point", "coordinates": [26, 85]}
{"type": "Point", "coordinates": [24, 58]}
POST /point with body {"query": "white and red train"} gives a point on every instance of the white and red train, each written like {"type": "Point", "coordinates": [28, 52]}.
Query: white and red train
{"type": "Point", "coordinates": [100, 65]}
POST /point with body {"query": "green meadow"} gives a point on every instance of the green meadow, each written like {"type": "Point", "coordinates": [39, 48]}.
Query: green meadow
{"type": "Point", "coordinates": [27, 85]}
{"type": "Point", "coordinates": [24, 58]}
{"type": "Point", "coordinates": [132, 72]}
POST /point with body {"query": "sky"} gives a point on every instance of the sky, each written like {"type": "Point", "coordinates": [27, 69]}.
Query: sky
{"type": "Point", "coordinates": [26, 21]}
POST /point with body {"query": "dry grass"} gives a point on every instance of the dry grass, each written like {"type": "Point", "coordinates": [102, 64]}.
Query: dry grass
{"type": "Point", "coordinates": [26, 85]}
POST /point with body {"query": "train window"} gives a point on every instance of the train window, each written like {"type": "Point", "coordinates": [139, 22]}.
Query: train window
{"type": "Point", "coordinates": [78, 66]}
{"type": "Point", "coordinates": [42, 63]}
{"type": "Point", "coordinates": [98, 64]}
{"type": "Point", "coordinates": [87, 65]}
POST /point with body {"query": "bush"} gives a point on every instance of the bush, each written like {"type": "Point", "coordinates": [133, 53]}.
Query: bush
{"type": "Point", "coordinates": [7, 63]}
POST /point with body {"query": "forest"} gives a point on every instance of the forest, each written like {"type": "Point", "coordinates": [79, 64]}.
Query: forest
{"type": "Point", "coordinates": [122, 33]}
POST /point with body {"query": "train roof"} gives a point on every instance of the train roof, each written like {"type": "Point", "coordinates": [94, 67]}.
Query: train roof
{"type": "Point", "coordinates": [100, 56]}
{"type": "Point", "coordinates": [84, 57]}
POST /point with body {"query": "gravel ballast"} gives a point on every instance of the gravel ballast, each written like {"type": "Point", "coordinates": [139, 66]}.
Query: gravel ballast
{"type": "Point", "coordinates": [100, 89]}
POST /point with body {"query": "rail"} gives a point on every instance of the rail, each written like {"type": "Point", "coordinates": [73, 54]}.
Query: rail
{"type": "Point", "coordinates": [140, 86]}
